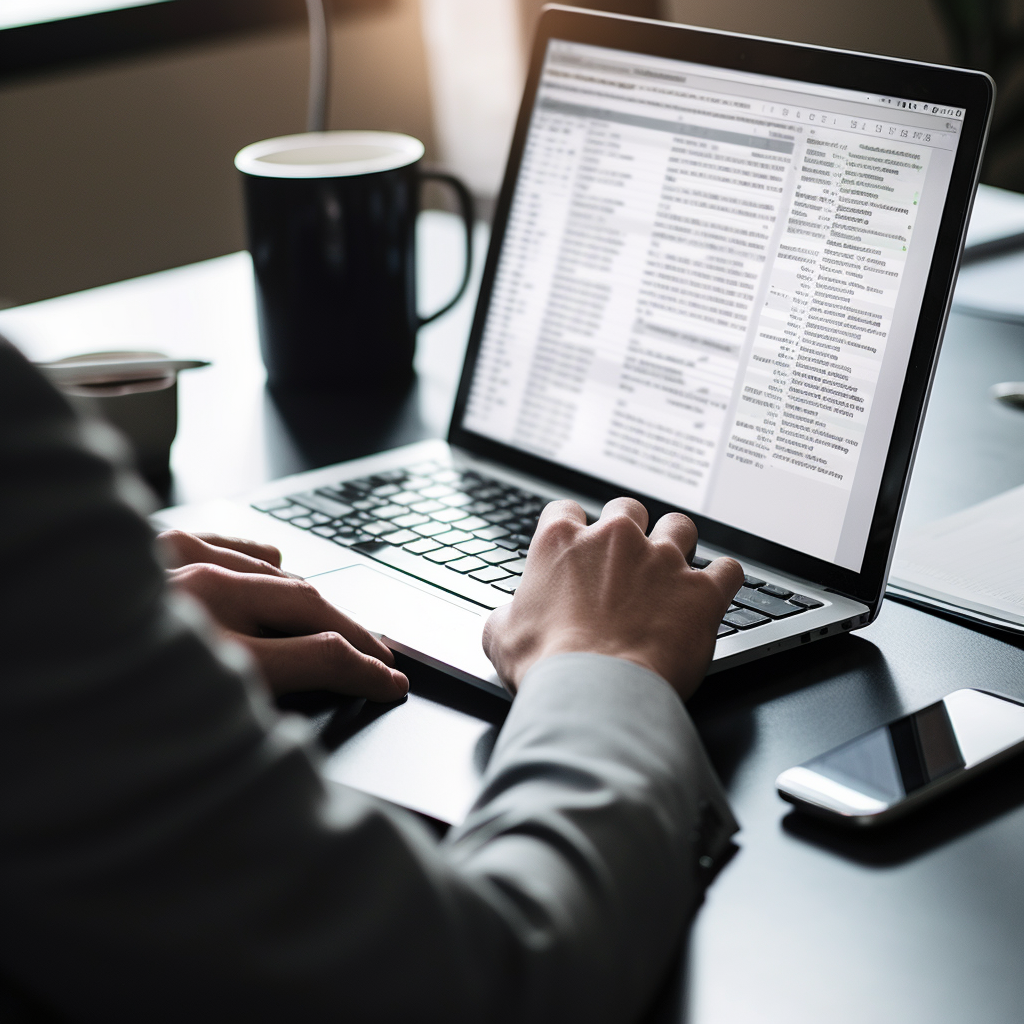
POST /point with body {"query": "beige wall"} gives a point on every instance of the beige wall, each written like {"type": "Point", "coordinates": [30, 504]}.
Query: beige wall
{"type": "Point", "coordinates": [119, 170]}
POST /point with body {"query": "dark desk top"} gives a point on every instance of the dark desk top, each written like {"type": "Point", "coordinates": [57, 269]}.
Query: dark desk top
{"type": "Point", "coordinates": [921, 924]}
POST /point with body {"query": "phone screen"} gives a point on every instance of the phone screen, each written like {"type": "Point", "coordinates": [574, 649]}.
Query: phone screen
{"type": "Point", "coordinates": [886, 766]}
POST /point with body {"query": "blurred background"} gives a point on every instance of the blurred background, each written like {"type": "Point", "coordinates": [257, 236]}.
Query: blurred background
{"type": "Point", "coordinates": [119, 119]}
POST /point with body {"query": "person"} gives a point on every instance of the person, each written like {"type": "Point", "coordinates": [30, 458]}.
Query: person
{"type": "Point", "coordinates": [169, 850]}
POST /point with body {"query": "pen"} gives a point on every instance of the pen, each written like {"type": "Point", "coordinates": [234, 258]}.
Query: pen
{"type": "Point", "coordinates": [113, 371]}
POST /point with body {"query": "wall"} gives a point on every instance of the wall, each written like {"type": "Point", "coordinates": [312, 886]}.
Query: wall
{"type": "Point", "coordinates": [119, 170]}
{"type": "Point", "coordinates": [904, 28]}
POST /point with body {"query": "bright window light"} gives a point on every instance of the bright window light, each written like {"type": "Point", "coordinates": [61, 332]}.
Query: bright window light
{"type": "Point", "coordinates": [32, 12]}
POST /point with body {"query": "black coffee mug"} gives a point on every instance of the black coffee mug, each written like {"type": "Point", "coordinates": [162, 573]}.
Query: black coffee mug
{"type": "Point", "coordinates": [332, 233]}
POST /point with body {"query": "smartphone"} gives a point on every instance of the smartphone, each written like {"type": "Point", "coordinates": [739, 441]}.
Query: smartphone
{"type": "Point", "coordinates": [888, 771]}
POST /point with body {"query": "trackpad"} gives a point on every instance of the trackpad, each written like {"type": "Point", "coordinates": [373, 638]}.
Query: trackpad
{"type": "Point", "coordinates": [427, 628]}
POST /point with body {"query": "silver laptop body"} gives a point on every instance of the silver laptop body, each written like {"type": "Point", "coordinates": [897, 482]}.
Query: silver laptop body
{"type": "Point", "coordinates": [719, 274]}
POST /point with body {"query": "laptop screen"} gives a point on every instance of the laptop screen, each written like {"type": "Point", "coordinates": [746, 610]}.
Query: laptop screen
{"type": "Point", "coordinates": [709, 287]}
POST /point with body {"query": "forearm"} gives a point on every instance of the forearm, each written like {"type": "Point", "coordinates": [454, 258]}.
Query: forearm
{"type": "Point", "coordinates": [598, 807]}
{"type": "Point", "coordinates": [168, 850]}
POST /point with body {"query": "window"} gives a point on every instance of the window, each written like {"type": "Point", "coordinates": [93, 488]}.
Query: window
{"type": "Point", "coordinates": [16, 13]}
{"type": "Point", "coordinates": [44, 35]}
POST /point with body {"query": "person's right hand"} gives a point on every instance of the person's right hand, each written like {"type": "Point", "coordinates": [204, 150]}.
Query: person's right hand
{"type": "Point", "coordinates": [608, 589]}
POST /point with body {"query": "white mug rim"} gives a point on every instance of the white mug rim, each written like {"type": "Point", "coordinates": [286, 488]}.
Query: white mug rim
{"type": "Point", "coordinates": [405, 150]}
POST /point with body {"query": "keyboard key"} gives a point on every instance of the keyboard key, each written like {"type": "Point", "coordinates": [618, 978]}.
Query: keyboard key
{"type": "Point", "coordinates": [290, 512]}
{"type": "Point", "coordinates": [456, 500]}
{"type": "Point", "coordinates": [701, 563]}
{"type": "Point", "coordinates": [490, 574]}
{"type": "Point", "coordinates": [805, 602]}
{"type": "Point", "coordinates": [302, 522]}
{"type": "Point", "coordinates": [765, 603]}
{"type": "Point", "coordinates": [437, 491]}
{"type": "Point", "coordinates": [508, 543]}
{"type": "Point", "coordinates": [399, 537]}
{"type": "Point", "coordinates": [771, 588]}
{"type": "Point", "coordinates": [417, 483]}
{"type": "Point", "coordinates": [518, 566]}
{"type": "Point", "coordinates": [389, 511]}
{"type": "Point", "coordinates": [324, 531]}
{"type": "Point", "coordinates": [753, 582]}
{"type": "Point", "coordinates": [442, 555]}
{"type": "Point", "coordinates": [509, 586]}
{"type": "Point", "coordinates": [406, 522]}
{"type": "Point", "coordinates": [386, 490]}
{"type": "Point", "coordinates": [430, 529]}
{"type": "Point", "coordinates": [478, 508]}
{"type": "Point", "coordinates": [422, 546]}
{"type": "Point", "coordinates": [724, 630]}
{"type": "Point", "coordinates": [446, 476]}
{"type": "Point", "coordinates": [427, 506]}
{"type": "Point", "coordinates": [499, 555]}
{"type": "Point", "coordinates": [499, 516]}
{"type": "Point", "coordinates": [272, 504]}
{"type": "Point", "coordinates": [465, 564]}
{"type": "Point", "coordinates": [365, 504]}
{"type": "Point", "coordinates": [522, 540]}
{"type": "Point", "coordinates": [321, 503]}
{"type": "Point", "coordinates": [319, 518]}
{"type": "Point", "coordinates": [475, 547]}
{"type": "Point", "coordinates": [448, 515]}
{"type": "Point", "coordinates": [473, 523]}
{"type": "Point", "coordinates": [491, 532]}
{"type": "Point", "coordinates": [453, 537]}
{"type": "Point", "coordinates": [376, 529]}
{"type": "Point", "coordinates": [744, 618]}
{"type": "Point", "coordinates": [405, 498]}
{"type": "Point", "coordinates": [348, 539]}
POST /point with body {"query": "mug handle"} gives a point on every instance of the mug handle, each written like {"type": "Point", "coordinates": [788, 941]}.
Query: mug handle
{"type": "Point", "coordinates": [467, 210]}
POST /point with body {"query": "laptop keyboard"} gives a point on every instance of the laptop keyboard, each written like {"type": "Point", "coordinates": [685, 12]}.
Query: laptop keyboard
{"type": "Point", "coordinates": [468, 534]}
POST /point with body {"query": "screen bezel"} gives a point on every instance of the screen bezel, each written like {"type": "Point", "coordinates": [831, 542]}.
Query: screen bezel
{"type": "Point", "coordinates": [974, 91]}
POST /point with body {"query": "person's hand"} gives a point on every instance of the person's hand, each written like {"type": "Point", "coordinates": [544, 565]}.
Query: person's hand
{"type": "Point", "coordinates": [608, 589]}
{"type": "Point", "coordinates": [178, 548]}
{"type": "Point", "coordinates": [316, 647]}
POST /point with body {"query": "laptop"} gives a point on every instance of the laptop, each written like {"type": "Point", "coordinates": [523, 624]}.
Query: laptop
{"type": "Point", "coordinates": [719, 274]}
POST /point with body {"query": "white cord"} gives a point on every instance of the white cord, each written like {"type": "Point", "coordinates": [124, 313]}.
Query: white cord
{"type": "Point", "coordinates": [319, 65]}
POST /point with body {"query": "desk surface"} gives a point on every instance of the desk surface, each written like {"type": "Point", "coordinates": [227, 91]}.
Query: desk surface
{"type": "Point", "coordinates": [925, 924]}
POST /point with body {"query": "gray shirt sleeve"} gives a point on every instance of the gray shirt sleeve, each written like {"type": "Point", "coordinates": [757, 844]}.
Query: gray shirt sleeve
{"type": "Point", "coordinates": [168, 849]}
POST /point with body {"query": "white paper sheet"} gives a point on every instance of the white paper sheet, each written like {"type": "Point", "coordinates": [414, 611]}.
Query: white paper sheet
{"type": "Point", "coordinates": [973, 560]}
{"type": "Point", "coordinates": [994, 287]}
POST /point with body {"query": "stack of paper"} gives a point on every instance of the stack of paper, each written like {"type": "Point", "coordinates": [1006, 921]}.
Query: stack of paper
{"type": "Point", "coordinates": [992, 287]}
{"type": "Point", "coordinates": [970, 563]}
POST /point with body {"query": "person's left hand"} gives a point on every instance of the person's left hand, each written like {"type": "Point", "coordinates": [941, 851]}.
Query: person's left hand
{"type": "Point", "coordinates": [243, 587]}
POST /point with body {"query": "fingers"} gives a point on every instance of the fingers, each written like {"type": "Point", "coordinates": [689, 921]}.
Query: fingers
{"type": "Point", "coordinates": [727, 575]}
{"type": "Point", "coordinates": [561, 510]}
{"type": "Point", "coordinates": [325, 661]}
{"type": "Point", "coordinates": [677, 529]}
{"type": "Point", "coordinates": [253, 548]}
{"type": "Point", "coordinates": [180, 548]}
{"type": "Point", "coordinates": [628, 507]}
{"type": "Point", "coordinates": [247, 602]}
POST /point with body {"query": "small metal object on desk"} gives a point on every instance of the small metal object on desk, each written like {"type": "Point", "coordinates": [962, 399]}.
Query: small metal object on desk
{"type": "Point", "coordinates": [1010, 392]}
